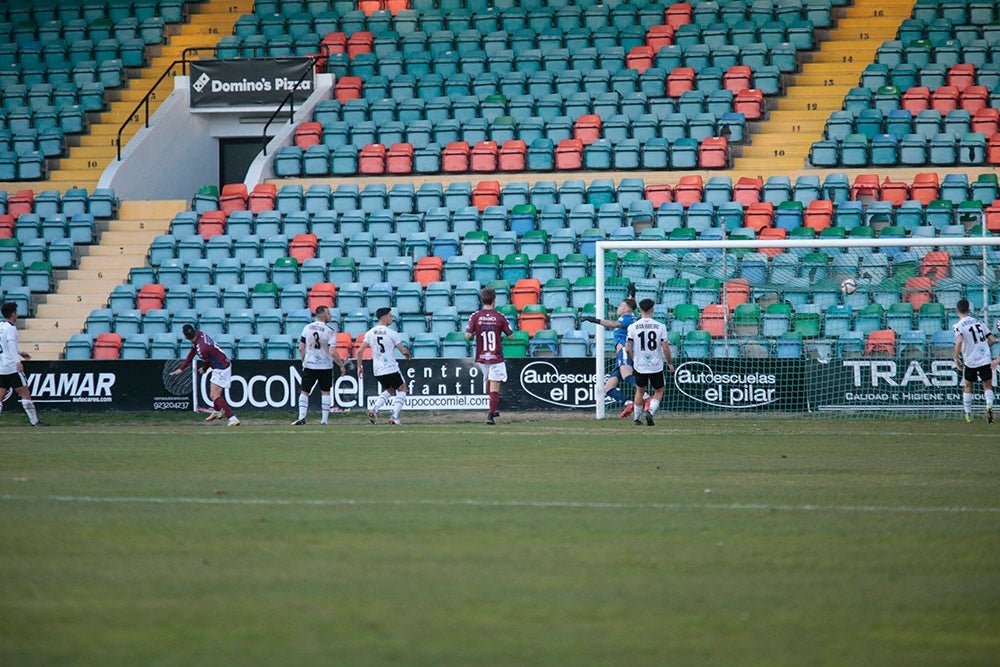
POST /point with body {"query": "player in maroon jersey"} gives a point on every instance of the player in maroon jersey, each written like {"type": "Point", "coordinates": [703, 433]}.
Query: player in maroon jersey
{"type": "Point", "coordinates": [215, 361]}
{"type": "Point", "coordinates": [486, 326]}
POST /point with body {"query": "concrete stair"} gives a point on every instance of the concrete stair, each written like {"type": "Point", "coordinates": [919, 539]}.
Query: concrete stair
{"type": "Point", "coordinates": [783, 143]}
{"type": "Point", "coordinates": [122, 246]}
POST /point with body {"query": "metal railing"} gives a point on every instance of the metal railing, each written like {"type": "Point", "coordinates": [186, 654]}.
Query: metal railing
{"type": "Point", "coordinates": [290, 98]}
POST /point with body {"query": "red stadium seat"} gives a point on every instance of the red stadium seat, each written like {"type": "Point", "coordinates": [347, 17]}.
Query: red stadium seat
{"type": "Point", "coordinates": [369, 7]}
{"type": "Point", "coordinates": [881, 344]}
{"type": "Point", "coordinates": [747, 190]}
{"type": "Point", "coordinates": [773, 233]}
{"type": "Point", "coordinates": [347, 88]}
{"type": "Point", "coordinates": [866, 186]}
{"type": "Point", "coordinates": [334, 42]}
{"type": "Point", "coordinates": [150, 297]}
{"type": "Point", "coordinates": [526, 292]}
{"type": "Point", "coordinates": [233, 197]}
{"type": "Point", "coordinates": [399, 159]}
{"type": "Point", "coordinates": [737, 291]}
{"type": "Point", "coordinates": [513, 154]}
{"type": "Point", "coordinates": [569, 154]}
{"type": "Point", "coordinates": [428, 270]}
{"type": "Point", "coordinates": [993, 149]}
{"type": "Point", "coordinates": [212, 223]}
{"type": "Point", "coordinates": [936, 265]}
{"type": "Point", "coordinates": [308, 134]}
{"type": "Point", "coordinates": [484, 157]}
{"type": "Point", "coordinates": [975, 98]}
{"type": "Point", "coordinates": [371, 160]}
{"type": "Point", "coordinates": [22, 202]}
{"type": "Point", "coordinates": [759, 215]}
{"type": "Point", "coordinates": [659, 194]}
{"type": "Point", "coordinates": [396, 6]}
{"type": "Point", "coordinates": [486, 193]}
{"type": "Point", "coordinates": [962, 76]}
{"type": "Point", "coordinates": [587, 128]}
{"type": "Point", "coordinates": [895, 192]}
{"type": "Point", "coordinates": [321, 294]}
{"type": "Point", "coordinates": [344, 344]}
{"type": "Point", "coordinates": [919, 290]}
{"type": "Point", "coordinates": [993, 217]}
{"type": "Point", "coordinates": [750, 103]}
{"type": "Point", "coordinates": [455, 157]}
{"type": "Point", "coordinates": [108, 346]}
{"type": "Point", "coordinates": [713, 153]}
{"type": "Point", "coordinates": [6, 226]}
{"type": "Point", "coordinates": [916, 99]}
{"type": "Point", "coordinates": [986, 121]}
{"type": "Point", "coordinates": [818, 215]}
{"type": "Point", "coordinates": [680, 80]}
{"type": "Point", "coordinates": [659, 36]}
{"type": "Point", "coordinates": [689, 190]}
{"type": "Point", "coordinates": [263, 197]}
{"type": "Point", "coordinates": [737, 78]}
{"type": "Point", "coordinates": [713, 320]}
{"type": "Point", "coordinates": [357, 346]}
{"type": "Point", "coordinates": [945, 99]}
{"type": "Point", "coordinates": [303, 247]}
{"type": "Point", "coordinates": [640, 58]}
{"type": "Point", "coordinates": [924, 188]}
{"type": "Point", "coordinates": [359, 42]}
{"type": "Point", "coordinates": [678, 14]}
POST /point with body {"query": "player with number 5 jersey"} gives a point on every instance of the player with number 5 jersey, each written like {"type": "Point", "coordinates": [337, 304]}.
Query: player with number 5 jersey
{"type": "Point", "coordinates": [486, 326]}
{"type": "Point", "coordinates": [647, 345]}
{"type": "Point", "coordinates": [383, 342]}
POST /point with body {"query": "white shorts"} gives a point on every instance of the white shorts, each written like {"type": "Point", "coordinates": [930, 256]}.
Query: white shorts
{"type": "Point", "coordinates": [495, 372]}
{"type": "Point", "coordinates": [222, 377]}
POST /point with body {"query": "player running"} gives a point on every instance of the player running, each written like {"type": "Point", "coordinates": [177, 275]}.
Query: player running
{"type": "Point", "coordinates": [486, 326]}
{"type": "Point", "coordinates": [318, 351]}
{"type": "Point", "coordinates": [383, 343]}
{"type": "Point", "coordinates": [215, 362]}
{"type": "Point", "coordinates": [647, 345]}
{"type": "Point", "coordinates": [11, 368]}
{"type": "Point", "coordinates": [622, 371]}
{"type": "Point", "coordinates": [973, 339]}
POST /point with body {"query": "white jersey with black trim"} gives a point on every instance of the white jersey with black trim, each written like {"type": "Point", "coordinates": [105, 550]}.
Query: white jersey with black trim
{"type": "Point", "coordinates": [975, 344]}
{"type": "Point", "coordinates": [383, 341]}
{"type": "Point", "coordinates": [318, 337]}
{"type": "Point", "coordinates": [10, 355]}
{"type": "Point", "coordinates": [647, 336]}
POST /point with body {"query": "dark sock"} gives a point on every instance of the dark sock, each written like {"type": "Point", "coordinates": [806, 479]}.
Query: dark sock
{"type": "Point", "coordinates": [494, 401]}
{"type": "Point", "coordinates": [223, 407]}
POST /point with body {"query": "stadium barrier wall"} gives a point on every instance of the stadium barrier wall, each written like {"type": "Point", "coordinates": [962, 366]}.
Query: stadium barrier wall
{"type": "Point", "coordinates": [895, 386]}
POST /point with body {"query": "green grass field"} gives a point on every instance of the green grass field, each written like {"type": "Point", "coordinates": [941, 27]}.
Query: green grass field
{"type": "Point", "coordinates": [552, 542]}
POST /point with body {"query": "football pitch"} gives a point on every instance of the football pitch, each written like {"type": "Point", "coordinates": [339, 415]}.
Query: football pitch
{"type": "Point", "coordinates": [739, 541]}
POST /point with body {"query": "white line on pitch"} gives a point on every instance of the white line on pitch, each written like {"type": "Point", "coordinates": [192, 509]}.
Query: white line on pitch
{"type": "Point", "coordinates": [472, 502]}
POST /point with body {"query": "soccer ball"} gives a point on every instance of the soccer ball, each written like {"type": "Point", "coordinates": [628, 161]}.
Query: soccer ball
{"type": "Point", "coordinates": [849, 286]}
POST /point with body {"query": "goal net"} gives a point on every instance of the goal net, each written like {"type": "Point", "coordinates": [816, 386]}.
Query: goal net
{"type": "Point", "coordinates": [835, 326]}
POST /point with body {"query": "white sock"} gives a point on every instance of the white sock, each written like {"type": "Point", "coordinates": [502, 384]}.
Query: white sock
{"type": "Point", "coordinates": [325, 403]}
{"type": "Point", "coordinates": [29, 407]}
{"type": "Point", "coordinates": [653, 404]}
{"type": "Point", "coordinates": [303, 405]}
{"type": "Point", "coordinates": [383, 400]}
{"type": "Point", "coordinates": [967, 402]}
{"type": "Point", "coordinates": [397, 405]}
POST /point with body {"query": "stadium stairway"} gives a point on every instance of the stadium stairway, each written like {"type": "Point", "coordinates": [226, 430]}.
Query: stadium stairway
{"type": "Point", "coordinates": [123, 244]}
{"type": "Point", "coordinates": [784, 140]}
{"type": "Point", "coordinates": [83, 165]}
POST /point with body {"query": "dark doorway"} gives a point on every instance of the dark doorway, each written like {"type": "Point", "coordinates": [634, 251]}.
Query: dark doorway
{"type": "Point", "coordinates": [235, 156]}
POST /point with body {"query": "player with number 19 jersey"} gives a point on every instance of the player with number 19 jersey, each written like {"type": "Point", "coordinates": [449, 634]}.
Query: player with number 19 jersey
{"type": "Point", "coordinates": [487, 326]}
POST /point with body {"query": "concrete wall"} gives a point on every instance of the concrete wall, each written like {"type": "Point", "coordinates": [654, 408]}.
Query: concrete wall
{"type": "Point", "coordinates": [179, 151]}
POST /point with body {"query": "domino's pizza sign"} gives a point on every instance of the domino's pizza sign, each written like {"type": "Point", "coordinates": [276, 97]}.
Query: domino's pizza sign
{"type": "Point", "coordinates": [250, 81]}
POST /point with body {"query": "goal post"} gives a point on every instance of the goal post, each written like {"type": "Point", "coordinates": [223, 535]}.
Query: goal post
{"type": "Point", "coordinates": [783, 335]}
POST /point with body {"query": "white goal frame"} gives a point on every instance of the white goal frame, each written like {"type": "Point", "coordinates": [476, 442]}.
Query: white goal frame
{"type": "Point", "coordinates": [602, 247]}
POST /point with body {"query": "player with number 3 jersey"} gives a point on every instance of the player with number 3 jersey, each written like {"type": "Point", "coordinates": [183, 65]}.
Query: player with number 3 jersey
{"type": "Point", "coordinates": [486, 326]}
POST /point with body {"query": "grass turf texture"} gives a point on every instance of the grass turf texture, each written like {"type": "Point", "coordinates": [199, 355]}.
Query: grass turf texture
{"type": "Point", "coordinates": [168, 542]}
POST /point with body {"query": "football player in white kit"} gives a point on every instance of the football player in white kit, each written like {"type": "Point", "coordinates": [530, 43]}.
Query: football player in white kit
{"type": "Point", "coordinates": [648, 347]}
{"type": "Point", "coordinates": [383, 343]}
{"type": "Point", "coordinates": [973, 339]}
{"type": "Point", "coordinates": [317, 348]}
{"type": "Point", "coordinates": [11, 369]}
